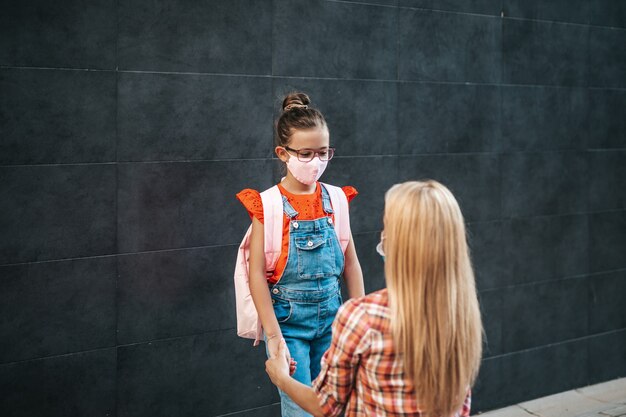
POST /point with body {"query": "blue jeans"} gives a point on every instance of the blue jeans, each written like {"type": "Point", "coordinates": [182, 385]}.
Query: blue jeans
{"type": "Point", "coordinates": [307, 297]}
{"type": "Point", "coordinates": [305, 319]}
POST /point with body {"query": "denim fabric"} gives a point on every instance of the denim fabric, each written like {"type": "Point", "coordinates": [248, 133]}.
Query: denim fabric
{"type": "Point", "coordinates": [307, 297]}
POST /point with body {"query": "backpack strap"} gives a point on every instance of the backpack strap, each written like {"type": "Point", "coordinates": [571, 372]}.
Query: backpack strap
{"type": "Point", "coordinates": [273, 225]}
{"type": "Point", "coordinates": [339, 202]}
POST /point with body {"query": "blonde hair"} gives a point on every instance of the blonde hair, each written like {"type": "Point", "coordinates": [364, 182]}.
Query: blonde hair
{"type": "Point", "coordinates": [435, 320]}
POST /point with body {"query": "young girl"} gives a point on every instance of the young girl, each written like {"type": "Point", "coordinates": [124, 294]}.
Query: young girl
{"type": "Point", "coordinates": [298, 301]}
{"type": "Point", "coordinates": [414, 348]}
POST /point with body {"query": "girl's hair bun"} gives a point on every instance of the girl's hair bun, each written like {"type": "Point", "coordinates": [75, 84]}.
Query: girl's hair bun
{"type": "Point", "coordinates": [296, 101]}
{"type": "Point", "coordinates": [296, 115]}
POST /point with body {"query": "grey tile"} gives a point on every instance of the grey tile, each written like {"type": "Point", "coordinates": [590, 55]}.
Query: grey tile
{"type": "Point", "coordinates": [318, 38]}
{"type": "Point", "coordinates": [53, 308]}
{"type": "Point", "coordinates": [53, 212]}
{"type": "Point", "coordinates": [544, 183]}
{"type": "Point", "coordinates": [174, 293]}
{"type": "Point", "coordinates": [607, 119]}
{"type": "Point", "coordinates": [372, 263]}
{"type": "Point", "coordinates": [486, 391]}
{"type": "Point", "coordinates": [372, 177]}
{"type": "Point", "coordinates": [491, 306]}
{"type": "Point", "coordinates": [607, 57]}
{"type": "Point", "coordinates": [576, 11]}
{"type": "Point", "coordinates": [361, 115]}
{"type": "Point", "coordinates": [222, 36]}
{"type": "Point", "coordinates": [546, 53]}
{"type": "Point", "coordinates": [187, 117]}
{"type": "Point", "coordinates": [544, 118]}
{"type": "Point", "coordinates": [540, 372]}
{"type": "Point", "coordinates": [607, 294]}
{"type": "Point", "coordinates": [543, 313]}
{"type": "Point", "coordinates": [472, 178]}
{"type": "Point", "coordinates": [435, 46]}
{"type": "Point", "coordinates": [607, 180]}
{"type": "Point", "coordinates": [607, 241]}
{"type": "Point", "coordinates": [448, 118]}
{"type": "Point", "coordinates": [545, 248]}
{"type": "Point", "coordinates": [420, 114]}
{"type": "Point", "coordinates": [76, 385]}
{"type": "Point", "coordinates": [183, 204]}
{"type": "Point", "coordinates": [607, 356]}
{"type": "Point", "coordinates": [490, 7]}
{"type": "Point", "coordinates": [38, 33]}
{"type": "Point", "coordinates": [608, 13]}
{"type": "Point", "coordinates": [486, 249]}
{"type": "Point", "coordinates": [193, 376]}
{"type": "Point", "coordinates": [40, 127]}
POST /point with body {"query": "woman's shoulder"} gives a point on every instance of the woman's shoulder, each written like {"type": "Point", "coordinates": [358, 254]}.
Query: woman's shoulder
{"type": "Point", "coordinates": [364, 314]}
{"type": "Point", "coordinates": [372, 303]}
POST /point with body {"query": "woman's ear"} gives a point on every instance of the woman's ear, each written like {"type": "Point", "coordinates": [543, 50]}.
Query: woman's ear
{"type": "Point", "coordinates": [281, 153]}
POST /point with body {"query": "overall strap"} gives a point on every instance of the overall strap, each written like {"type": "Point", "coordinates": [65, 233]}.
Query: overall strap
{"type": "Point", "coordinates": [342, 214]}
{"type": "Point", "coordinates": [273, 225]}
{"type": "Point", "coordinates": [288, 208]}
{"type": "Point", "coordinates": [328, 208]}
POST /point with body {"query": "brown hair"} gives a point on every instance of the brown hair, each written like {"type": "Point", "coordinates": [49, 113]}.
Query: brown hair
{"type": "Point", "coordinates": [432, 295]}
{"type": "Point", "coordinates": [297, 115]}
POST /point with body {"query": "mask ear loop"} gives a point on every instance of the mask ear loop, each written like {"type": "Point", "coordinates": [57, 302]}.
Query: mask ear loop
{"type": "Point", "coordinates": [379, 249]}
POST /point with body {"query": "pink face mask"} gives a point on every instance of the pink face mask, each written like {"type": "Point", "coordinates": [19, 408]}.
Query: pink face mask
{"type": "Point", "coordinates": [306, 172]}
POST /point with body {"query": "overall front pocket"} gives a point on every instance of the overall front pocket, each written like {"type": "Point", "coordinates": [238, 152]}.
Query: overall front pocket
{"type": "Point", "coordinates": [316, 257]}
{"type": "Point", "coordinates": [282, 309]}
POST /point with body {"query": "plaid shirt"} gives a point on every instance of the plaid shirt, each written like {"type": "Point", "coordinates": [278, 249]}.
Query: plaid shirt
{"type": "Point", "coordinates": [361, 369]}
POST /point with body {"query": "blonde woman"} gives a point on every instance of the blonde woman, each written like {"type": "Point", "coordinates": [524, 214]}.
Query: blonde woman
{"type": "Point", "coordinates": [414, 348]}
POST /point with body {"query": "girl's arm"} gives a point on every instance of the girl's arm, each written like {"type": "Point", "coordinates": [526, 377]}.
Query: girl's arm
{"type": "Point", "coordinates": [353, 274]}
{"type": "Point", "coordinates": [259, 289]}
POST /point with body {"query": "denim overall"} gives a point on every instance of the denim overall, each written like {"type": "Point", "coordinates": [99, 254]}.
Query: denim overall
{"type": "Point", "coordinates": [307, 297]}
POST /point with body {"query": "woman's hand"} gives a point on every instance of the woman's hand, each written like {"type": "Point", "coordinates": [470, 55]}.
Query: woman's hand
{"type": "Point", "coordinates": [277, 366]}
{"type": "Point", "coordinates": [272, 347]}
{"type": "Point", "coordinates": [278, 370]}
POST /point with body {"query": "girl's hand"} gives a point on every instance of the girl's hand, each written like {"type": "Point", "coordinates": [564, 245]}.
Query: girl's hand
{"type": "Point", "coordinates": [292, 366]}
{"type": "Point", "coordinates": [272, 347]}
{"type": "Point", "coordinates": [277, 366]}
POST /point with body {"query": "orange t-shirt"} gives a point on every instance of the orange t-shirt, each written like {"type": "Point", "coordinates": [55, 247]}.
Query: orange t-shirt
{"type": "Point", "coordinates": [308, 206]}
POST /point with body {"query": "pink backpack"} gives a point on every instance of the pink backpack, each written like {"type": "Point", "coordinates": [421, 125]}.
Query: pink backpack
{"type": "Point", "coordinates": [248, 323]}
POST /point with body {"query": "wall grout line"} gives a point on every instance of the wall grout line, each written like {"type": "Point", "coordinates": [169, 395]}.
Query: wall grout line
{"type": "Point", "coordinates": [549, 345]}
{"type": "Point", "coordinates": [364, 3]}
{"type": "Point", "coordinates": [234, 413]}
{"type": "Point", "coordinates": [146, 252]}
{"type": "Point", "coordinates": [338, 157]}
{"type": "Point", "coordinates": [25, 67]}
{"type": "Point", "coordinates": [469, 223]}
{"type": "Point", "coordinates": [298, 77]}
{"type": "Point", "coordinates": [120, 345]}
{"type": "Point", "coordinates": [525, 19]}
{"type": "Point", "coordinates": [550, 280]}
{"type": "Point", "coordinates": [204, 333]}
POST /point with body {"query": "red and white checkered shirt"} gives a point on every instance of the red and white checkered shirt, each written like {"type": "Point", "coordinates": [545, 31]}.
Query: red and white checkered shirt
{"type": "Point", "coordinates": [361, 371]}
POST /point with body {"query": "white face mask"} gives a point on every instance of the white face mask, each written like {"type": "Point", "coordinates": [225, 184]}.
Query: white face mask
{"type": "Point", "coordinates": [306, 172]}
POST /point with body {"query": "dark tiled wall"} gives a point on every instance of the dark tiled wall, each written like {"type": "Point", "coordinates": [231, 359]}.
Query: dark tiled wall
{"type": "Point", "coordinates": [128, 126]}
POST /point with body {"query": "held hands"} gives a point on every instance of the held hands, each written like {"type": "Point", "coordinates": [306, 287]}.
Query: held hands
{"type": "Point", "coordinates": [273, 343]}
{"type": "Point", "coordinates": [279, 365]}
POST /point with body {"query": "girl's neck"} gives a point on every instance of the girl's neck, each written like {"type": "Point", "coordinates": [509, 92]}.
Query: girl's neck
{"type": "Point", "coordinates": [296, 187]}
